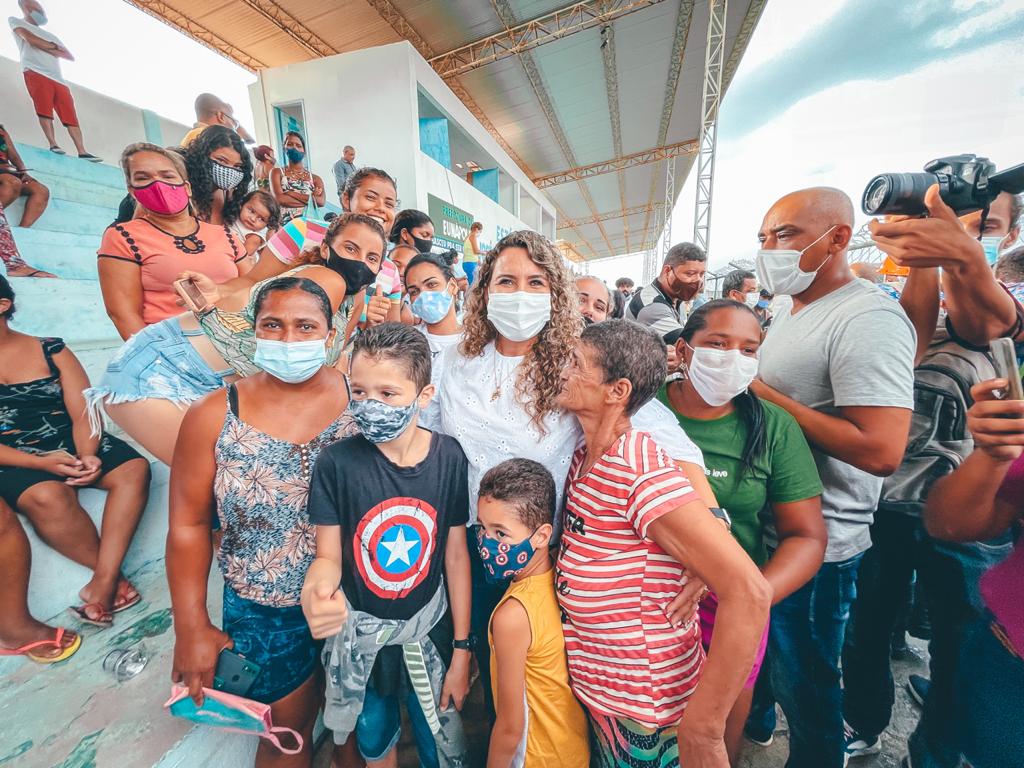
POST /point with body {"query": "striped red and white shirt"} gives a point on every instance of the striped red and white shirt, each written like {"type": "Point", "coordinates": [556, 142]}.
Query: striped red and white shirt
{"type": "Point", "coordinates": [625, 658]}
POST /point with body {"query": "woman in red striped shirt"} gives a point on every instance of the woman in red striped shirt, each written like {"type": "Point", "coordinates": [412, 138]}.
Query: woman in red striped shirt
{"type": "Point", "coordinates": [633, 529]}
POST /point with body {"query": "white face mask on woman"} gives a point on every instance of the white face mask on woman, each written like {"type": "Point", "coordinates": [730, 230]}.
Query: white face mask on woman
{"type": "Point", "coordinates": [779, 271]}
{"type": "Point", "coordinates": [719, 375]}
{"type": "Point", "coordinates": [519, 316]}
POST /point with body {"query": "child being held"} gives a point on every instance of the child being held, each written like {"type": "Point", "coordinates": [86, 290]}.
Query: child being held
{"type": "Point", "coordinates": [258, 218]}
{"type": "Point", "coordinates": [540, 724]}
{"type": "Point", "coordinates": [391, 507]}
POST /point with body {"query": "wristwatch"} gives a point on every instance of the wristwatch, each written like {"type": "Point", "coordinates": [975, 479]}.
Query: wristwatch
{"type": "Point", "coordinates": [722, 515]}
{"type": "Point", "coordinates": [465, 645]}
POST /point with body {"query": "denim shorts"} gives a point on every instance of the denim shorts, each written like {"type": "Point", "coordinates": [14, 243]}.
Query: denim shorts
{"type": "Point", "coordinates": [380, 725]}
{"type": "Point", "coordinates": [157, 362]}
{"type": "Point", "coordinates": [277, 639]}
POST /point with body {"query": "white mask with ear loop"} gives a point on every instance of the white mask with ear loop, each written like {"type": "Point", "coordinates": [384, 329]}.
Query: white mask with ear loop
{"type": "Point", "coordinates": [779, 271]}
{"type": "Point", "coordinates": [719, 375]}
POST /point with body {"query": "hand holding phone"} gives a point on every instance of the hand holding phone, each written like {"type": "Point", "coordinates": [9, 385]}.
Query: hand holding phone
{"type": "Point", "coordinates": [234, 674]}
{"type": "Point", "coordinates": [190, 294]}
{"type": "Point", "coordinates": [1004, 359]}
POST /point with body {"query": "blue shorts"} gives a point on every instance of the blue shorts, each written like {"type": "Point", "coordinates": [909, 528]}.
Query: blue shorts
{"type": "Point", "coordinates": [157, 362]}
{"type": "Point", "coordinates": [277, 639]}
{"type": "Point", "coordinates": [380, 725]}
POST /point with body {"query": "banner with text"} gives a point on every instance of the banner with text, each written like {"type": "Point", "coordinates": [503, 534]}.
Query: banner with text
{"type": "Point", "coordinates": [451, 224]}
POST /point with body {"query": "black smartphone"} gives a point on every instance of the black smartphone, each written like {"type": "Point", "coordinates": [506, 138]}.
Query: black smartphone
{"type": "Point", "coordinates": [234, 674]}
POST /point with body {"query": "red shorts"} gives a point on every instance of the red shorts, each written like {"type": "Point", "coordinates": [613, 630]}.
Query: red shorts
{"type": "Point", "coordinates": [49, 96]}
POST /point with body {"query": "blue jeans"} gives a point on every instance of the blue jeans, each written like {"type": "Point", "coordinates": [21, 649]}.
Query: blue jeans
{"type": "Point", "coordinates": [990, 701]}
{"type": "Point", "coordinates": [380, 725]}
{"type": "Point", "coordinates": [805, 642]}
{"type": "Point", "coordinates": [950, 572]}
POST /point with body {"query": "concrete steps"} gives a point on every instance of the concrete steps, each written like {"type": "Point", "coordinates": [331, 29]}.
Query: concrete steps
{"type": "Point", "coordinates": [70, 255]}
{"type": "Point", "coordinates": [70, 309]}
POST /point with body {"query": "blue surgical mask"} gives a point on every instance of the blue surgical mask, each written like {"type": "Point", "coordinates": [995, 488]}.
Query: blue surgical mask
{"type": "Point", "coordinates": [380, 422]}
{"type": "Point", "coordinates": [991, 245]}
{"type": "Point", "coordinates": [432, 306]}
{"type": "Point", "coordinates": [291, 361]}
{"type": "Point", "coordinates": [762, 304]}
{"type": "Point", "coordinates": [294, 155]}
{"type": "Point", "coordinates": [38, 18]}
{"type": "Point", "coordinates": [503, 561]}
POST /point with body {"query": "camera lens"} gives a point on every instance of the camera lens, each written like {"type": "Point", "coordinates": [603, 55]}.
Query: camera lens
{"type": "Point", "coordinates": [899, 194]}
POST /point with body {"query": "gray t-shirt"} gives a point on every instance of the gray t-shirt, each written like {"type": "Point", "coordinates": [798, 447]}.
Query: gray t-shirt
{"type": "Point", "coordinates": [853, 347]}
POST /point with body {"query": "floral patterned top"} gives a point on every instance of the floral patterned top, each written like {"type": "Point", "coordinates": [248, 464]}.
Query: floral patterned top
{"type": "Point", "coordinates": [33, 417]}
{"type": "Point", "coordinates": [261, 486]}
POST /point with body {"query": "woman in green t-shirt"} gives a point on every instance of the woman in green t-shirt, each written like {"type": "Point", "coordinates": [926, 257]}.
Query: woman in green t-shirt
{"type": "Point", "coordinates": [757, 461]}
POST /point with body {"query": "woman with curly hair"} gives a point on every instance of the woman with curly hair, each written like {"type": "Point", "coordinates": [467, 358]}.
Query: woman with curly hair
{"type": "Point", "coordinates": [498, 389]}
{"type": "Point", "coordinates": [220, 172]}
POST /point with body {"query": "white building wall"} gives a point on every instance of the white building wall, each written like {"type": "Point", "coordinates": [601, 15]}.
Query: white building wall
{"type": "Point", "coordinates": [368, 99]}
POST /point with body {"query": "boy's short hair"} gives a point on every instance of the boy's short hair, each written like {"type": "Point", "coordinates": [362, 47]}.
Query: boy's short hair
{"type": "Point", "coordinates": [399, 342]}
{"type": "Point", "coordinates": [527, 486]}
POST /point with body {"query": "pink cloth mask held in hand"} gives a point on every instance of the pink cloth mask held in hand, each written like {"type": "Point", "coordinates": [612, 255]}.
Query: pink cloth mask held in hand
{"type": "Point", "coordinates": [230, 713]}
{"type": "Point", "coordinates": [162, 198]}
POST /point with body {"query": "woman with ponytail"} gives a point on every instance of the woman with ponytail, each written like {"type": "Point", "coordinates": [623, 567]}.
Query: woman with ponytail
{"type": "Point", "coordinates": [756, 458]}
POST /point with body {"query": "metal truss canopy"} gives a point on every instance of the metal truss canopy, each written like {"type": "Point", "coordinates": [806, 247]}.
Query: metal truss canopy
{"type": "Point", "coordinates": [531, 34]}
{"type": "Point", "coordinates": [606, 216]}
{"type": "Point", "coordinates": [653, 155]}
{"type": "Point", "coordinates": [713, 59]}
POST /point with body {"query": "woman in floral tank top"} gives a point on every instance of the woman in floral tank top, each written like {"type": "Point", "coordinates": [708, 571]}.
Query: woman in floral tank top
{"type": "Point", "coordinates": [250, 453]}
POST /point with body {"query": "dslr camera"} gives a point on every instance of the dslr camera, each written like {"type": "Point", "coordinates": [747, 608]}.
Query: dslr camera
{"type": "Point", "coordinates": [966, 183]}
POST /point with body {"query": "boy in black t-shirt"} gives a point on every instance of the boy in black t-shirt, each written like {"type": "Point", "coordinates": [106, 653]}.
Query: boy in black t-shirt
{"type": "Point", "coordinates": [391, 506]}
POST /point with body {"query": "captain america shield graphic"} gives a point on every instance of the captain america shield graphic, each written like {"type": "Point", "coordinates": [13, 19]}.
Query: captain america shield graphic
{"type": "Point", "coordinates": [393, 544]}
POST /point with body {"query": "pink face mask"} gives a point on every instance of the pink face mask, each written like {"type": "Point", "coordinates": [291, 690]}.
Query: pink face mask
{"type": "Point", "coordinates": [162, 198]}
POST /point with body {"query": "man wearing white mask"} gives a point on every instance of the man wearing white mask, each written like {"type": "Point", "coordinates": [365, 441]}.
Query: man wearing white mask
{"type": "Point", "coordinates": [741, 285]}
{"type": "Point", "coordinates": [840, 361]}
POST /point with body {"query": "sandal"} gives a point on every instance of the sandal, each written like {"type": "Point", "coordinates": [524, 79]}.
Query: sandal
{"type": "Point", "coordinates": [90, 158]}
{"type": "Point", "coordinates": [66, 653]}
{"type": "Point", "coordinates": [105, 618]}
{"type": "Point", "coordinates": [57, 150]}
{"type": "Point", "coordinates": [127, 596]}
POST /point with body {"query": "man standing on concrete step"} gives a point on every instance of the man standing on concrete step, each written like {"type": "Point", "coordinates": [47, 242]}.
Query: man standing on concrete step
{"type": "Point", "coordinates": [344, 168]}
{"type": "Point", "coordinates": [41, 52]}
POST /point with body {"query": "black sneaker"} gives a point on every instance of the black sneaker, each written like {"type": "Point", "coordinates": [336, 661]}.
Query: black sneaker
{"type": "Point", "coordinates": [90, 158]}
{"type": "Point", "coordinates": [57, 150]}
{"type": "Point", "coordinates": [917, 687]}
{"type": "Point", "coordinates": [859, 745]}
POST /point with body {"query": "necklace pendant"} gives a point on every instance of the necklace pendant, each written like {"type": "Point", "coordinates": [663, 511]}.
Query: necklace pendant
{"type": "Point", "coordinates": [496, 393]}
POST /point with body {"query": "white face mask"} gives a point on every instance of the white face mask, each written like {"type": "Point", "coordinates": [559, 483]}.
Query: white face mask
{"type": "Point", "coordinates": [752, 299]}
{"type": "Point", "coordinates": [519, 316]}
{"type": "Point", "coordinates": [719, 375]}
{"type": "Point", "coordinates": [779, 271]}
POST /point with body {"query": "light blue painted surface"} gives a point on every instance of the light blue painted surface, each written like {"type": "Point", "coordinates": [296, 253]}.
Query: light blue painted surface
{"type": "Point", "coordinates": [487, 182]}
{"type": "Point", "coordinates": [434, 141]}
{"type": "Point", "coordinates": [151, 124]}
{"type": "Point", "coordinates": [68, 166]}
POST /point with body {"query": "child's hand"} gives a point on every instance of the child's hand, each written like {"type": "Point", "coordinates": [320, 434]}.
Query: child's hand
{"type": "Point", "coordinates": [324, 607]}
{"type": "Point", "coordinates": [456, 682]}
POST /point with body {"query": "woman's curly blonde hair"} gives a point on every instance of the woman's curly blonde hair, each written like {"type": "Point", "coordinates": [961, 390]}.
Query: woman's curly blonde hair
{"type": "Point", "coordinates": [538, 383]}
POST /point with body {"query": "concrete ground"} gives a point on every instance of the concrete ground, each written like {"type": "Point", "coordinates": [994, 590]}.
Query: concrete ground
{"type": "Point", "coordinates": [894, 740]}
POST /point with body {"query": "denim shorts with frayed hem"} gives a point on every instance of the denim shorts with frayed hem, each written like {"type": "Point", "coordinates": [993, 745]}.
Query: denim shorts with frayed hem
{"type": "Point", "coordinates": [160, 363]}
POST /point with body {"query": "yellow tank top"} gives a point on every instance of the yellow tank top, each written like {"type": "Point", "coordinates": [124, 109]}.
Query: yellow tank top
{"type": "Point", "coordinates": [556, 727]}
{"type": "Point", "coordinates": [469, 256]}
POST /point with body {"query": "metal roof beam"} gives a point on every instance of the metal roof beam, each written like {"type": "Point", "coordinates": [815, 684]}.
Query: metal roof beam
{"type": "Point", "coordinates": [531, 34]}
{"type": "Point", "coordinates": [291, 26]}
{"type": "Point", "coordinates": [653, 155]}
{"type": "Point", "coordinates": [611, 84]}
{"type": "Point", "coordinates": [607, 216]}
{"type": "Point", "coordinates": [739, 44]}
{"type": "Point", "coordinates": [175, 19]}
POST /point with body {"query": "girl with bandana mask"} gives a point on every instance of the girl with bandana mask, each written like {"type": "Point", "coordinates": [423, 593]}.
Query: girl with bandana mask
{"type": "Point", "coordinates": [161, 370]}
{"type": "Point", "coordinates": [220, 171]}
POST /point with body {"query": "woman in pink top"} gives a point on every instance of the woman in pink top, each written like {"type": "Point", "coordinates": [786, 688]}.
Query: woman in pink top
{"type": "Point", "coordinates": [140, 259]}
{"type": "Point", "coordinates": [979, 501]}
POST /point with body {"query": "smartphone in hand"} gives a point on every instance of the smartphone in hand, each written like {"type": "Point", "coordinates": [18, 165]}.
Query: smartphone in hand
{"type": "Point", "coordinates": [194, 299]}
{"type": "Point", "coordinates": [234, 674]}
{"type": "Point", "coordinates": [1004, 359]}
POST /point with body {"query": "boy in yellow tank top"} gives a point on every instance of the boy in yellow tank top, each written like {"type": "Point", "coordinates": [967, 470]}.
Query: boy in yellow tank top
{"type": "Point", "coordinates": [539, 724]}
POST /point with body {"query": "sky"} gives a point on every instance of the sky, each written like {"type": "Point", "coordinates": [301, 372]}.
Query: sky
{"type": "Point", "coordinates": [829, 92]}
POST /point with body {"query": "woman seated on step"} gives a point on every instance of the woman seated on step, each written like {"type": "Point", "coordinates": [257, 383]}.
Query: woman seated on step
{"type": "Point", "coordinates": [220, 172]}
{"type": "Point", "coordinates": [140, 259]}
{"type": "Point", "coordinates": [168, 365]}
{"type": "Point", "coordinates": [48, 452]}
{"type": "Point", "coordinates": [15, 182]}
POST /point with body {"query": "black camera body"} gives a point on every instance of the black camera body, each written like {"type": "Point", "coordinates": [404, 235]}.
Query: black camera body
{"type": "Point", "coordinates": [966, 183]}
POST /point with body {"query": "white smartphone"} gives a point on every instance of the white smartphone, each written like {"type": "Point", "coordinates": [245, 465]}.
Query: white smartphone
{"type": "Point", "coordinates": [1004, 358]}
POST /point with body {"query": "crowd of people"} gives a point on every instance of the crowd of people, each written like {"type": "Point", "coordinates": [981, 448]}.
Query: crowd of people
{"type": "Point", "coordinates": [643, 515]}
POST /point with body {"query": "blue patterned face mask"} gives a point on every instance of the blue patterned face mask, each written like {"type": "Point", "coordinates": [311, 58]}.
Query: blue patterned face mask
{"type": "Point", "coordinates": [432, 306]}
{"type": "Point", "coordinates": [503, 561]}
{"type": "Point", "coordinates": [380, 422]}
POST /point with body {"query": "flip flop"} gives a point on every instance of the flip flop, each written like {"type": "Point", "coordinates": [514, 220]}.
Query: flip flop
{"type": "Point", "coordinates": [90, 158]}
{"type": "Point", "coordinates": [67, 653]}
{"type": "Point", "coordinates": [81, 612]}
{"type": "Point", "coordinates": [57, 150]}
{"type": "Point", "coordinates": [127, 596]}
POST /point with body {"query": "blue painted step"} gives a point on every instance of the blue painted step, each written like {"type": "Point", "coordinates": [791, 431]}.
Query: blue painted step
{"type": "Point", "coordinates": [79, 191]}
{"type": "Point", "coordinates": [70, 309]}
{"type": "Point", "coordinates": [67, 254]}
{"type": "Point", "coordinates": [67, 216]}
{"type": "Point", "coordinates": [71, 167]}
